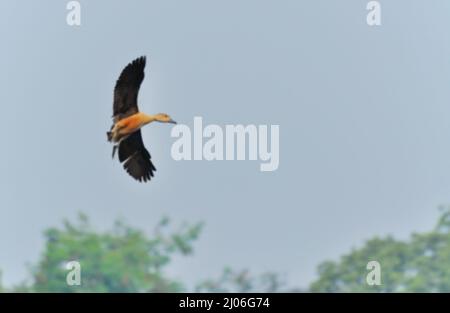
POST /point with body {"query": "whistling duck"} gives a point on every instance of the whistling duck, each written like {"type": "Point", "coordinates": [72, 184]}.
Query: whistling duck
{"type": "Point", "coordinates": [125, 132]}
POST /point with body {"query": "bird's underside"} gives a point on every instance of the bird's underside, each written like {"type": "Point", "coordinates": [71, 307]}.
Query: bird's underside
{"type": "Point", "coordinates": [131, 150]}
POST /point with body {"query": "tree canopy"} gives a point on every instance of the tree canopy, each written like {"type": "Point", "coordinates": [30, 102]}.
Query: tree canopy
{"type": "Point", "coordinates": [123, 259]}
{"type": "Point", "coordinates": [419, 264]}
{"type": "Point", "coordinates": [243, 281]}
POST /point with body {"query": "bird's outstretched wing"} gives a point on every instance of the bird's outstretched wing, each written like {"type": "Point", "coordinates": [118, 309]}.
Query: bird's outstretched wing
{"type": "Point", "coordinates": [127, 89]}
{"type": "Point", "coordinates": [136, 157]}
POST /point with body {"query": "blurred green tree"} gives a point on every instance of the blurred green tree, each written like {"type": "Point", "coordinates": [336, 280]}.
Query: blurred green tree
{"type": "Point", "coordinates": [120, 260]}
{"type": "Point", "coordinates": [243, 281]}
{"type": "Point", "coordinates": [125, 259]}
{"type": "Point", "coordinates": [420, 264]}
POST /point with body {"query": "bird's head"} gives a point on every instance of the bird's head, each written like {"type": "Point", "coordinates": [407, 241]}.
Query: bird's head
{"type": "Point", "coordinates": [164, 118]}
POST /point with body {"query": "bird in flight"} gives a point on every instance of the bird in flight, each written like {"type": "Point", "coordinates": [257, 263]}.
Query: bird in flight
{"type": "Point", "coordinates": [125, 133]}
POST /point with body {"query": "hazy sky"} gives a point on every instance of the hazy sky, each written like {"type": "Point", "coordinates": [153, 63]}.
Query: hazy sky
{"type": "Point", "coordinates": [364, 115]}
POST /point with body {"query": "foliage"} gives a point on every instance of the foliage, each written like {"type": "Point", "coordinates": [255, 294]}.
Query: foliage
{"type": "Point", "coordinates": [420, 264]}
{"type": "Point", "coordinates": [242, 281]}
{"type": "Point", "coordinates": [125, 259]}
{"type": "Point", "coordinates": [120, 260]}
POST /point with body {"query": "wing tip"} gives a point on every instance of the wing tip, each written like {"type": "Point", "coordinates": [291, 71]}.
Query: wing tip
{"type": "Point", "coordinates": [143, 174]}
{"type": "Point", "coordinates": [142, 60]}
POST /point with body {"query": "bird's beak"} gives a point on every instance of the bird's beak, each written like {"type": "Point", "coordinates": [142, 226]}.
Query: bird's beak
{"type": "Point", "coordinates": [171, 121]}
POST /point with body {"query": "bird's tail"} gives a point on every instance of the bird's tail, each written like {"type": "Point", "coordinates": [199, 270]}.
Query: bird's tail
{"type": "Point", "coordinates": [110, 138]}
{"type": "Point", "coordinates": [114, 150]}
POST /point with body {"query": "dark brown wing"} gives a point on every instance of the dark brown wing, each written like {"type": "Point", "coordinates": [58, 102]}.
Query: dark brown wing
{"type": "Point", "coordinates": [127, 89]}
{"type": "Point", "coordinates": [136, 157]}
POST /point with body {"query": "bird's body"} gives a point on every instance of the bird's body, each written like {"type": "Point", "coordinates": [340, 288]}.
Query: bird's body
{"type": "Point", "coordinates": [125, 132]}
{"type": "Point", "coordinates": [128, 125]}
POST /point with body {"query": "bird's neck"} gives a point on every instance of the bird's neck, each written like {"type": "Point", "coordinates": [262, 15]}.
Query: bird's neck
{"type": "Point", "coordinates": [148, 118]}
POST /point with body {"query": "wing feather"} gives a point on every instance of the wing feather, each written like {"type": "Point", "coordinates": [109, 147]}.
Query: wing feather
{"type": "Point", "coordinates": [136, 158]}
{"type": "Point", "coordinates": [127, 89]}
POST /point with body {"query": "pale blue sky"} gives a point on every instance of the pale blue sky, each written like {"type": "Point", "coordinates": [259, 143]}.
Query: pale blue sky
{"type": "Point", "coordinates": [363, 112]}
